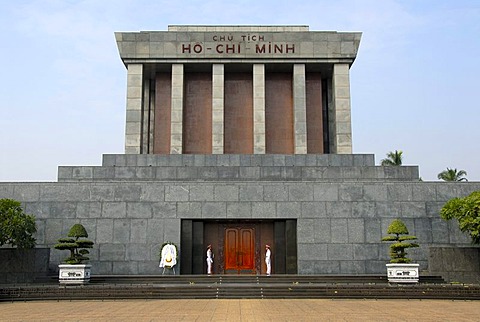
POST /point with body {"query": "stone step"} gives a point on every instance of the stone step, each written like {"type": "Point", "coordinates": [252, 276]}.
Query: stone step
{"type": "Point", "coordinates": [298, 160]}
{"type": "Point", "coordinates": [237, 173]}
{"type": "Point", "coordinates": [241, 279]}
{"type": "Point", "coordinates": [225, 291]}
{"type": "Point", "coordinates": [238, 287]}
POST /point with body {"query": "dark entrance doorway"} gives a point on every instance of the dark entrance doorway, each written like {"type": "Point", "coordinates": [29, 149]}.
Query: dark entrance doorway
{"type": "Point", "coordinates": [238, 246]}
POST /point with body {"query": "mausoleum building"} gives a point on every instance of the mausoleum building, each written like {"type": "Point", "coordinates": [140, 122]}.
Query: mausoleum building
{"type": "Point", "coordinates": [239, 137]}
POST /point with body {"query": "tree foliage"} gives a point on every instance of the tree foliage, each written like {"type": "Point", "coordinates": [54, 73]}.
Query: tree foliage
{"type": "Point", "coordinates": [75, 245]}
{"type": "Point", "coordinates": [452, 175]}
{"type": "Point", "coordinates": [397, 249]}
{"type": "Point", "coordinates": [467, 212]}
{"type": "Point", "coordinates": [16, 227]}
{"type": "Point", "coordinates": [393, 158]}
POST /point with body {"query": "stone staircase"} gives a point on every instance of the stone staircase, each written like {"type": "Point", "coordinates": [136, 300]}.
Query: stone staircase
{"type": "Point", "coordinates": [239, 287]}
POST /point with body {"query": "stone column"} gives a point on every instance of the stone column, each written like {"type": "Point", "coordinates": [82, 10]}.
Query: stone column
{"type": "Point", "coordinates": [151, 116]}
{"type": "Point", "coordinates": [299, 109]}
{"type": "Point", "coordinates": [217, 108]}
{"type": "Point", "coordinates": [341, 109]}
{"type": "Point", "coordinates": [146, 118]}
{"type": "Point", "coordinates": [259, 140]}
{"type": "Point", "coordinates": [133, 128]}
{"type": "Point", "coordinates": [176, 138]}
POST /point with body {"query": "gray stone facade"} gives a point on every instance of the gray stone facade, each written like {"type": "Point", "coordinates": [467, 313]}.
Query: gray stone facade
{"type": "Point", "coordinates": [134, 203]}
{"type": "Point", "coordinates": [245, 42]}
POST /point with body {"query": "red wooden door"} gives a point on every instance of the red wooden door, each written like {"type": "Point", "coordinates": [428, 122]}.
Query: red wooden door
{"type": "Point", "coordinates": [240, 251]}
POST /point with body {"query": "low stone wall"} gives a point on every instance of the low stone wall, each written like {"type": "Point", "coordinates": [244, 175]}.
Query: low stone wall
{"type": "Point", "coordinates": [23, 265]}
{"type": "Point", "coordinates": [455, 264]}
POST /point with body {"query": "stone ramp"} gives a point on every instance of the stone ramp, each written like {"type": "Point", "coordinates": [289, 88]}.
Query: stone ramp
{"type": "Point", "coordinates": [240, 287]}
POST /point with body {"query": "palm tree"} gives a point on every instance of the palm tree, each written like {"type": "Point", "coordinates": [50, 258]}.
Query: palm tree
{"type": "Point", "coordinates": [393, 158]}
{"type": "Point", "coordinates": [452, 175]}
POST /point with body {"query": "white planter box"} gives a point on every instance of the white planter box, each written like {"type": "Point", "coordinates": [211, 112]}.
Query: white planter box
{"type": "Point", "coordinates": [402, 273]}
{"type": "Point", "coordinates": [74, 274]}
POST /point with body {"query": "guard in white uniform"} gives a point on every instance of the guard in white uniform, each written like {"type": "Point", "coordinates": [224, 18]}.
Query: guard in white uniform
{"type": "Point", "coordinates": [209, 259]}
{"type": "Point", "coordinates": [268, 259]}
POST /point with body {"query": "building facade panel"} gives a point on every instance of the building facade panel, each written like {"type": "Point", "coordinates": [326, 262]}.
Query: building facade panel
{"type": "Point", "coordinates": [163, 112]}
{"type": "Point", "coordinates": [239, 113]}
{"type": "Point", "coordinates": [197, 113]}
{"type": "Point", "coordinates": [314, 113]}
{"type": "Point", "coordinates": [279, 121]}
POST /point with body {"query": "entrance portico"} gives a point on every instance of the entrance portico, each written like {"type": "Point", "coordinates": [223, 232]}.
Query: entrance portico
{"type": "Point", "coordinates": [239, 245]}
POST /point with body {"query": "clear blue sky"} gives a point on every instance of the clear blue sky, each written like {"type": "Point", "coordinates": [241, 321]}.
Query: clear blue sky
{"type": "Point", "coordinates": [414, 86]}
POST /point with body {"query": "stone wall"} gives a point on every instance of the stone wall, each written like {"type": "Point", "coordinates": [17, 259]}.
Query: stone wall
{"type": "Point", "coordinates": [455, 264]}
{"type": "Point", "coordinates": [23, 265]}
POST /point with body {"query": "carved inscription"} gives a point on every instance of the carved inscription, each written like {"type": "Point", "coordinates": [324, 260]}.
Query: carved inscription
{"type": "Point", "coordinates": [226, 44]}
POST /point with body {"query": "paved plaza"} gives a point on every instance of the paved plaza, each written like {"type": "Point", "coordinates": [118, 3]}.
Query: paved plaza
{"type": "Point", "coordinates": [242, 310]}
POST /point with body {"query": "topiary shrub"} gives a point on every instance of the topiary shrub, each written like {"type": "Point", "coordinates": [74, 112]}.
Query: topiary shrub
{"type": "Point", "coordinates": [400, 235]}
{"type": "Point", "coordinates": [75, 245]}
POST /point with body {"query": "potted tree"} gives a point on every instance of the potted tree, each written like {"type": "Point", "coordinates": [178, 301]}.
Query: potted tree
{"type": "Point", "coordinates": [75, 271]}
{"type": "Point", "coordinates": [400, 269]}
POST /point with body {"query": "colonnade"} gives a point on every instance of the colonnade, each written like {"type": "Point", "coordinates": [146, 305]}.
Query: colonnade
{"type": "Point", "coordinates": [138, 135]}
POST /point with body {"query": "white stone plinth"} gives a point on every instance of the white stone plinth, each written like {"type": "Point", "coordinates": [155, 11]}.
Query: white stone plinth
{"type": "Point", "coordinates": [74, 274]}
{"type": "Point", "coordinates": [402, 273]}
